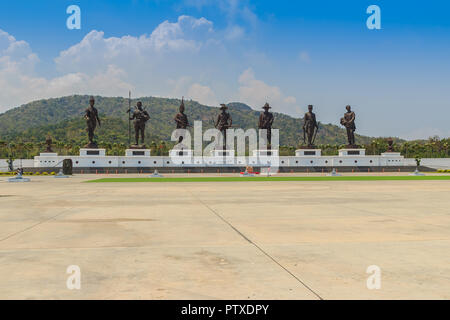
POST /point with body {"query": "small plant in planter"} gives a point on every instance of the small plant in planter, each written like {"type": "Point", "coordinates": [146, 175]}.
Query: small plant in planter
{"type": "Point", "coordinates": [418, 161]}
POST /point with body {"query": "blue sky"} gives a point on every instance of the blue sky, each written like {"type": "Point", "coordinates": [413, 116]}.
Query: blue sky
{"type": "Point", "coordinates": [290, 53]}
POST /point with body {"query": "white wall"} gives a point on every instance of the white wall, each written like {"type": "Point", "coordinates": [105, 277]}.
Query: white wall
{"type": "Point", "coordinates": [435, 163]}
{"type": "Point", "coordinates": [28, 163]}
{"type": "Point", "coordinates": [324, 161]}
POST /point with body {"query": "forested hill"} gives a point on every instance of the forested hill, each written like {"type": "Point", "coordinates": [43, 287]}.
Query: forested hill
{"type": "Point", "coordinates": [62, 118]}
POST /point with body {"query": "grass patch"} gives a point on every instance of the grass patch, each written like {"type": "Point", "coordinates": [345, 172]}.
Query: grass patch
{"type": "Point", "coordinates": [238, 179]}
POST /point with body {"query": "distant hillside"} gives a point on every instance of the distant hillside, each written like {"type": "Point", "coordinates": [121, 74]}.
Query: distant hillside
{"type": "Point", "coordinates": [62, 119]}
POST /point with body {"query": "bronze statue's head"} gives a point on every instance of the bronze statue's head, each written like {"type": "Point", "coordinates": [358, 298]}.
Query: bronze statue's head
{"type": "Point", "coordinates": [223, 107]}
{"type": "Point", "coordinates": [310, 107]}
{"type": "Point", "coordinates": [348, 108]}
{"type": "Point", "coordinates": [91, 101]}
{"type": "Point", "coordinates": [139, 105]}
{"type": "Point", "coordinates": [267, 107]}
{"type": "Point", "coordinates": [182, 105]}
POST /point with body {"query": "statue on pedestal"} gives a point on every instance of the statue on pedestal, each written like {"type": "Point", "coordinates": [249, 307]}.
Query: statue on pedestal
{"type": "Point", "coordinates": [223, 123]}
{"type": "Point", "coordinates": [48, 143]}
{"type": "Point", "coordinates": [181, 119]}
{"type": "Point", "coordinates": [265, 122]}
{"type": "Point", "coordinates": [91, 116]}
{"type": "Point", "coordinates": [348, 121]}
{"type": "Point", "coordinates": [390, 143]}
{"type": "Point", "coordinates": [140, 117]}
{"type": "Point", "coordinates": [310, 127]}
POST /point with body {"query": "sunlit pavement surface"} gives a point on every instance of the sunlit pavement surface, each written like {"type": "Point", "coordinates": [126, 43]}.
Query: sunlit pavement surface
{"type": "Point", "coordinates": [224, 240]}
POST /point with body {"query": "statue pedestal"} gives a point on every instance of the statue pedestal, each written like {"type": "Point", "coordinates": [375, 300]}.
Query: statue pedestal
{"type": "Point", "coordinates": [180, 157]}
{"type": "Point", "coordinates": [47, 160]}
{"type": "Point", "coordinates": [48, 154]}
{"type": "Point", "coordinates": [391, 155]}
{"type": "Point", "coordinates": [223, 153]}
{"type": "Point", "coordinates": [91, 145]}
{"type": "Point", "coordinates": [221, 157]}
{"type": "Point", "coordinates": [265, 158]}
{"type": "Point", "coordinates": [156, 175]}
{"type": "Point", "coordinates": [308, 153]}
{"type": "Point", "coordinates": [19, 178]}
{"type": "Point", "coordinates": [265, 153]}
{"type": "Point", "coordinates": [352, 152]}
{"type": "Point", "coordinates": [92, 152]}
{"type": "Point", "coordinates": [61, 175]}
{"type": "Point", "coordinates": [391, 159]}
{"type": "Point", "coordinates": [137, 152]}
{"type": "Point", "coordinates": [333, 173]}
{"type": "Point", "coordinates": [138, 147]}
{"type": "Point", "coordinates": [176, 153]}
{"type": "Point", "coordinates": [416, 173]}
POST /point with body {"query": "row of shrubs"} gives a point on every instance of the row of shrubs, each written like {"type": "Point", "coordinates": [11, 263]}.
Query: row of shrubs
{"type": "Point", "coordinates": [29, 173]}
{"type": "Point", "coordinates": [444, 171]}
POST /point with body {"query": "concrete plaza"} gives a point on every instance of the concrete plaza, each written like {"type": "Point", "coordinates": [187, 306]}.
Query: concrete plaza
{"type": "Point", "coordinates": [224, 240]}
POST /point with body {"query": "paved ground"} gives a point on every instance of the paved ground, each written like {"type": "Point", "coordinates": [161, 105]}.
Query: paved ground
{"type": "Point", "coordinates": [225, 240]}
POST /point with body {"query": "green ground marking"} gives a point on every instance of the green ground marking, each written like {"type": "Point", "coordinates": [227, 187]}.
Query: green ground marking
{"type": "Point", "coordinates": [240, 179]}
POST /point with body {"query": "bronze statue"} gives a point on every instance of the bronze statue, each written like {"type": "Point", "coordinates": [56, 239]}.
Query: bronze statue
{"type": "Point", "coordinates": [181, 119]}
{"type": "Point", "coordinates": [310, 127]}
{"type": "Point", "coordinates": [223, 123]}
{"type": "Point", "coordinates": [48, 142]}
{"type": "Point", "coordinates": [140, 117]}
{"type": "Point", "coordinates": [91, 116]}
{"type": "Point", "coordinates": [390, 143]}
{"type": "Point", "coordinates": [348, 121]}
{"type": "Point", "coordinates": [265, 122]}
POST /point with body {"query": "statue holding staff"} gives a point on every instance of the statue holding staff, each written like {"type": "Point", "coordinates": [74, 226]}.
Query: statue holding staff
{"type": "Point", "coordinates": [140, 117]}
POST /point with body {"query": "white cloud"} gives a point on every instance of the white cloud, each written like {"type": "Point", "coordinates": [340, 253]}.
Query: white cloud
{"type": "Point", "coordinates": [20, 84]}
{"type": "Point", "coordinates": [179, 86]}
{"type": "Point", "coordinates": [256, 93]}
{"type": "Point", "coordinates": [106, 66]}
{"type": "Point", "coordinates": [202, 94]}
{"type": "Point", "coordinates": [172, 61]}
{"type": "Point", "coordinates": [15, 56]}
{"type": "Point", "coordinates": [95, 52]}
{"type": "Point", "coordinates": [28, 88]}
{"type": "Point", "coordinates": [290, 100]}
{"type": "Point", "coordinates": [177, 59]}
{"type": "Point", "coordinates": [234, 33]}
{"type": "Point", "coordinates": [239, 15]}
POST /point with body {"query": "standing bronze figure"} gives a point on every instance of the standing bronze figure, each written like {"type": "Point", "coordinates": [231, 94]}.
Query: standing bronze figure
{"type": "Point", "coordinates": [181, 119]}
{"type": "Point", "coordinates": [265, 122]}
{"type": "Point", "coordinates": [310, 127]}
{"type": "Point", "coordinates": [348, 121]}
{"type": "Point", "coordinates": [91, 116]}
{"type": "Point", "coordinates": [140, 117]}
{"type": "Point", "coordinates": [48, 142]}
{"type": "Point", "coordinates": [223, 123]}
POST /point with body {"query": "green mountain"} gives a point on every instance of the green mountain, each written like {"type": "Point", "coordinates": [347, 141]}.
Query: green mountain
{"type": "Point", "coordinates": [62, 118]}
